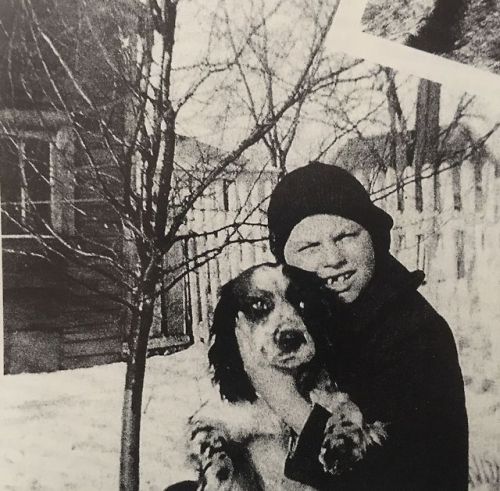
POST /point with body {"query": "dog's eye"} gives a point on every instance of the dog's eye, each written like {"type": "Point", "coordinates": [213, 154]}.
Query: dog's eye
{"type": "Point", "coordinates": [260, 306]}
{"type": "Point", "coordinates": [300, 306]}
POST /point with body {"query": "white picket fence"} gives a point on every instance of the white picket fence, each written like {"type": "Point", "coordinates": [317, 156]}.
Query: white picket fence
{"type": "Point", "coordinates": [233, 248]}
{"type": "Point", "coordinates": [456, 245]}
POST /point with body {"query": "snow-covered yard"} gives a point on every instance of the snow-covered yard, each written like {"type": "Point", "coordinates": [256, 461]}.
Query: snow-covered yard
{"type": "Point", "coordinates": [61, 431]}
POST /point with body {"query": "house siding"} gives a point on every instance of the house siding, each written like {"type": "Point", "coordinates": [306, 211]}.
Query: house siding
{"type": "Point", "coordinates": [49, 324]}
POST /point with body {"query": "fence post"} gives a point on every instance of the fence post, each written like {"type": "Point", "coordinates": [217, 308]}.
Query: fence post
{"type": "Point", "coordinates": [446, 259]}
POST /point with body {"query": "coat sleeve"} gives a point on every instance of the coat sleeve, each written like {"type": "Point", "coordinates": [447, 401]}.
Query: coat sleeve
{"type": "Point", "coordinates": [419, 392]}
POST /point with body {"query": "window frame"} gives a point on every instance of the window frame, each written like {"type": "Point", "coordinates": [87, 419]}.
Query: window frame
{"type": "Point", "coordinates": [59, 139]}
{"type": "Point", "coordinates": [20, 141]}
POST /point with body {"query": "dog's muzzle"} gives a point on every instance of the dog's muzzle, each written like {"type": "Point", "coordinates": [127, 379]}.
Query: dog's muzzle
{"type": "Point", "coordinates": [289, 340]}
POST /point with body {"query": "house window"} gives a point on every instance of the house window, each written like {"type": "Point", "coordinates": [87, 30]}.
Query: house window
{"type": "Point", "coordinates": [25, 185]}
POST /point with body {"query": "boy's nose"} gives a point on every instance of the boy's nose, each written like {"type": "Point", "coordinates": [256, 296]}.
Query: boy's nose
{"type": "Point", "coordinates": [331, 258]}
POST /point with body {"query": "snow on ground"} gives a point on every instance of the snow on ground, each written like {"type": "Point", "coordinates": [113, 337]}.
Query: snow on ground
{"type": "Point", "coordinates": [61, 431]}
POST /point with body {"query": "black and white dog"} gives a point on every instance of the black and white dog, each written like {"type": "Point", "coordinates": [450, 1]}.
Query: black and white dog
{"type": "Point", "coordinates": [238, 442]}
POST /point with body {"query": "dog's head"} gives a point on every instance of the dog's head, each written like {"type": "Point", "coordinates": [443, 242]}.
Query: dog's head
{"type": "Point", "coordinates": [268, 303]}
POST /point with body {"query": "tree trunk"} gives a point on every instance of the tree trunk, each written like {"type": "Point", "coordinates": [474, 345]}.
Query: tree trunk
{"type": "Point", "coordinates": [132, 400]}
{"type": "Point", "coordinates": [398, 156]}
{"type": "Point", "coordinates": [426, 133]}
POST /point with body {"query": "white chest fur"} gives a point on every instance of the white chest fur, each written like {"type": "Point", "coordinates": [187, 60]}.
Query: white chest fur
{"type": "Point", "coordinates": [261, 432]}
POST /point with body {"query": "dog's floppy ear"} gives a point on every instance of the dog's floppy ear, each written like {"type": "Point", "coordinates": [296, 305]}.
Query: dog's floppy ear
{"type": "Point", "coordinates": [224, 355]}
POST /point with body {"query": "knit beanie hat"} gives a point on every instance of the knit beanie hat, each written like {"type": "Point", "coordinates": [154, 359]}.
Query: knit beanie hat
{"type": "Point", "coordinates": [319, 188]}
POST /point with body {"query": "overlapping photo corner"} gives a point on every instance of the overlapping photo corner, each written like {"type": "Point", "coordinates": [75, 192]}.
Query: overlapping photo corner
{"type": "Point", "coordinates": [431, 157]}
{"type": "Point", "coordinates": [465, 31]}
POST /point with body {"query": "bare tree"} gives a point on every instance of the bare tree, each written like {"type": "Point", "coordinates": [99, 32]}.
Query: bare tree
{"type": "Point", "coordinates": [429, 143]}
{"type": "Point", "coordinates": [399, 134]}
{"type": "Point", "coordinates": [386, 120]}
{"type": "Point", "coordinates": [426, 133]}
{"type": "Point", "coordinates": [109, 76]}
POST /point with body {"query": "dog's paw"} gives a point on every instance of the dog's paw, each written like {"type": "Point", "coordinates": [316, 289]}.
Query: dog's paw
{"type": "Point", "coordinates": [346, 441]}
{"type": "Point", "coordinates": [209, 448]}
{"type": "Point", "coordinates": [218, 473]}
{"type": "Point", "coordinates": [342, 446]}
{"type": "Point", "coordinates": [375, 433]}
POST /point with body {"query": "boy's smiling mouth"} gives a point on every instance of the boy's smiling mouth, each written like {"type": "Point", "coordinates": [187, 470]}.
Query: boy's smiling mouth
{"type": "Point", "coordinates": [339, 280]}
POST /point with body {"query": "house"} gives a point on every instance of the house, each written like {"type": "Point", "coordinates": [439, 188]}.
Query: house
{"type": "Point", "coordinates": [371, 153]}
{"type": "Point", "coordinates": [63, 314]}
{"type": "Point", "coordinates": [370, 157]}
{"type": "Point", "coordinates": [59, 314]}
{"type": "Point", "coordinates": [50, 321]}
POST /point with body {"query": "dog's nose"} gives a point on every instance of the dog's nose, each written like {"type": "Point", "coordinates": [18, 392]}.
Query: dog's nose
{"type": "Point", "coordinates": [289, 340]}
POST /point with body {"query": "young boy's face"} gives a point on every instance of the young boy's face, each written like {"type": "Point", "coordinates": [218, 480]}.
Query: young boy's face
{"type": "Point", "coordinates": [339, 250]}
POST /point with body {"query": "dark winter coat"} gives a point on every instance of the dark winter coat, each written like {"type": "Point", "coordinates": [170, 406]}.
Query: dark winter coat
{"type": "Point", "coordinates": [396, 358]}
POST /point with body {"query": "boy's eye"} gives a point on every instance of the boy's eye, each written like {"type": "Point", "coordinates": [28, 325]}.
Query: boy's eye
{"type": "Point", "coordinates": [310, 245]}
{"type": "Point", "coordinates": [344, 235]}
